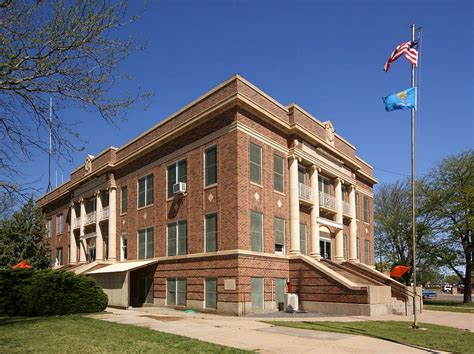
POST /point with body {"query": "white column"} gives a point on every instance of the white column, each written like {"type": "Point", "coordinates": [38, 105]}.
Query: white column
{"type": "Point", "coordinates": [72, 238]}
{"type": "Point", "coordinates": [315, 252]}
{"type": "Point", "coordinates": [112, 222]}
{"type": "Point", "coordinates": [99, 240]}
{"type": "Point", "coordinates": [339, 210]}
{"type": "Point", "coordinates": [294, 207]}
{"type": "Point", "coordinates": [352, 226]}
{"type": "Point", "coordinates": [82, 243]}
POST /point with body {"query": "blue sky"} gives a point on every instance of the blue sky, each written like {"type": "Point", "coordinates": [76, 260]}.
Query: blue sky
{"type": "Point", "coordinates": [327, 56]}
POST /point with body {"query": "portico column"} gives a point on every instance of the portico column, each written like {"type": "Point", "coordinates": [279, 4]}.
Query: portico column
{"type": "Point", "coordinates": [72, 238]}
{"type": "Point", "coordinates": [294, 207]}
{"type": "Point", "coordinates": [82, 249]}
{"type": "Point", "coordinates": [352, 226]}
{"type": "Point", "coordinates": [112, 220]}
{"type": "Point", "coordinates": [315, 252]}
{"type": "Point", "coordinates": [339, 210]}
{"type": "Point", "coordinates": [99, 240]}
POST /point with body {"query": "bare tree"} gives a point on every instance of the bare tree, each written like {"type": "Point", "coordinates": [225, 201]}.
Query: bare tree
{"type": "Point", "coordinates": [68, 50]}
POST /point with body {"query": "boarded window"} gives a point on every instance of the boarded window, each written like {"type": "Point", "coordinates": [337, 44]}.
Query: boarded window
{"type": "Point", "coordinates": [176, 291]}
{"type": "Point", "coordinates": [256, 231]}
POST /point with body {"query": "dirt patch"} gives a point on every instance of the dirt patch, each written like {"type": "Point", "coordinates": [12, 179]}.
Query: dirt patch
{"type": "Point", "coordinates": [162, 318]}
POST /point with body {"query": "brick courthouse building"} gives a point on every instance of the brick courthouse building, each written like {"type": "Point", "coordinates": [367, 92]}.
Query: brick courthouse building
{"type": "Point", "coordinates": [220, 205]}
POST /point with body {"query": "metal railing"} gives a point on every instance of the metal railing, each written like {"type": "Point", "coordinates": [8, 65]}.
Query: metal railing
{"type": "Point", "coordinates": [327, 201]}
{"type": "Point", "coordinates": [305, 192]}
{"type": "Point", "coordinates": [90, 218]}
{"type": "Point", "coordinates": [104, 214]}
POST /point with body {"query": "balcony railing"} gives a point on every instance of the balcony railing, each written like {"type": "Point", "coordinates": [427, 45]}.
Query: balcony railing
{"type": "Point", "coordinates": [305, 192]}
{"type": "Point", "coordinates": [77, 223]}
{"type": "Point", "coordinates": [327, 201]}
{"type": "Point", "coordinates": [346, 208]}
{"type": "Point", "coordinates": [104, 214]}
{"type": "Point", "coordinates": [90, 218]}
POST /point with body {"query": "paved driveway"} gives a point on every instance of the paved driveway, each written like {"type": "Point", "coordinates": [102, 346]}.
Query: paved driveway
{"type": "Point", "coordinates": [249, 333]}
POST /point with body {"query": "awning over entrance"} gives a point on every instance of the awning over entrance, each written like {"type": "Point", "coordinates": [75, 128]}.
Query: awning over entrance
{"type": "Point", "coordinates": [123, 267]}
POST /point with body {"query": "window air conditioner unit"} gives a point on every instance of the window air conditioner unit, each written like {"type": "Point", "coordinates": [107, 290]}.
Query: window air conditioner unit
{"type": "Point", "coordinates": [179, 188]}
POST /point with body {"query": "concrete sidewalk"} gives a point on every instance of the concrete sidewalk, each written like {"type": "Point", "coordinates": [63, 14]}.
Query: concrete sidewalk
{"type": "Point", "coordinates": [251, 334]}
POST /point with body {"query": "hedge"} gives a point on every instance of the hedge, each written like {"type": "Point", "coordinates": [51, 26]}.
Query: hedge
{"type": "Point", "coordinates": [28, 292]}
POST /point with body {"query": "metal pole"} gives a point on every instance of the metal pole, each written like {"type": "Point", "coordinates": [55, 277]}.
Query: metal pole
{"type": "Point", "coordinates": [413, 205]}
{"type": "Point", "coordinates": [50, 142]}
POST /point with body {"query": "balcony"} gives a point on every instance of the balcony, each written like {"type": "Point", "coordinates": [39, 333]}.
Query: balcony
{"type": "Point", "coordinates": [346, 208]}
{"type": "Point", "coordinates": [104, 213]}
{"type": "Point", "coordinates": [305, 193]}
{"type": "Point", "coordinates": [90, 218]}
{"type": "Point", "coordinates": [76, 223]}
{"type": "Point", "coordinates": [327, 201]}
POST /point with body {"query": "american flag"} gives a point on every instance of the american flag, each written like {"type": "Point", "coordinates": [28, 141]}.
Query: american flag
{"type": "Point", "coordinates": [407, 48]}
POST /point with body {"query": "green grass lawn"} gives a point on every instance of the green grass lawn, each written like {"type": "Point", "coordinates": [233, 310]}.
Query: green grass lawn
{"type": "Point", "coordinates": [433, 336]}
{"type": "Point", "coordinates": [77, 334]}
{"type": "Point", "coordinates": [450, 306]}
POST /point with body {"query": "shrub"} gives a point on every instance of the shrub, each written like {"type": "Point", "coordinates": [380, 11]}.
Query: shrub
{"type": "Point", "coordinates": [48, 293]}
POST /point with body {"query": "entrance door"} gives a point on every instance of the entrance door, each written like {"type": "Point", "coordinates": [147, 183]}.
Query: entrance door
{"type": "Point", "coordinates": [325, 248]}
{"type": "Point", "coordinates": [280, 292]}
{"type": "Point", "coordinates": [257, 293]}
{"type": "Point", "coordinates": [145, 291]}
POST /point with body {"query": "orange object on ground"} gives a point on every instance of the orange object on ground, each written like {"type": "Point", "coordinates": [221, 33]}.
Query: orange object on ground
{"type": "Point", "coordinates": [22, 265]}
{"type": "Point", "coordinates": [398, 271]}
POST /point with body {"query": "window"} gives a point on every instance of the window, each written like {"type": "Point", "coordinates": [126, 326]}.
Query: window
{"type": "Point", "coordinates": [91, 251]}
{"type": "Point", "coordinates": [358, 248]}
{"type": "Point", "coordinates": [324, 184]}
{"type": "Point", "coordinates": [255, 163]}
{"type": "Point", "coordinates": [145, 243]}
{"type": "Point", "coordinates": [176, 291]}
{"type": "Point", "coordinates": [210, 299]}
{"type": "Point", "coordinates": [177, 238]}
{"type": "Point", "coordinates": [257, 293]}
{"type": "Point", "coordinates": [91, 205]}
{"type": "Point", "coordinates": [301, 174]}
{"type": "Point", "coordinates": [105, 199]}
{"type": "Point", "coordinates": [210, 170]}
{"type": "Point", "coordinates": [48, 227]}
{"type": "Point", "coordinates": [367, 252]}
{"type": "Point", "coordinates": [256, 231]}
{"type": "Point", "coordinates": [145, 191]}
{"type": "Point", "coordinates": [366, 209]}
{"type": "Point", "coordinates": [303, 239]}
{"type": "Point", "coordinates": [279, 228]}
{"type": "Point", "coordinates": [211, 233]}
{"type": "Point", "coordinates": [344, 246]}
{"type": "Point", "coordinates": [59, 224]}
{"type": "Point", "coordinates": [123, 199]}
{"type": "Point", "coordinates": [278, 166]}
{"type": "Point", "coordinates": [176, 173]}
{"type": "Point", "coordinates": [123, 247]}
{"type": "Point", "coordinates": [280, 285]}
{"type": "Point", "coordinates": [325, 244]}
{"type": "Point", "coordinates": [59, 256]}
{"type": "Point", "coordinates": [357, 204]}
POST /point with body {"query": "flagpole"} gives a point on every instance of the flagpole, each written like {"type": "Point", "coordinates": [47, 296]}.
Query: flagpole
{"type": "Point", "coordinates": [413, 205]}
{"type": "Point", "coordinates": [50, 143]}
